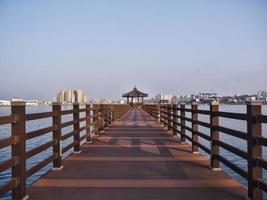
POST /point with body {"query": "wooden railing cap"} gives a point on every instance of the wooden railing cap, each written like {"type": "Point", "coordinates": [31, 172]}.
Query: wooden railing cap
{"type": "Point", "coordinates": [215, 103]}
{"type": "Point", "coordinates": [56, 103]}
{"type": "Point", "coordinates": [254, 103]}
{"type": "Point", "coordinates": [18, 103]}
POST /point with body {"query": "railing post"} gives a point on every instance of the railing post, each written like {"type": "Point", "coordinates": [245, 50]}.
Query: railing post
{"type": "Point", "coordinates": [174, 119]}
{"type": "Point", "coordinates": [116, 112]}
{"type": "Point", "coordinates": [106, 116]}
{"type": "Point", "coordinates": [76, 127]}
{"type": "Point", "coordinates": [214, 134]}
{"type": "Point", "coordinates": [96, 119]}
{"type": "Point", "coordinates": [158, 113]}
{"type": "Point", "coordinates": [169, 117]}
{"type": "Point", "coordinates": [101, 112]}
{"type": "Point", "coordinates": [112, 113]}
{"type": "Point", "coordinates": [182, 112]}
{"type": "Point", "coordinates": [57, 147]}
{"type": "Point", "coordinates": [19, 150]}
{"type": "Point", "coordinates": [88, 123]}
{"type": "Point", "coordinates": [194, 108]}
{"type": "Point", "coordinates": [254, 129]}
{"type": "Point", "coordinates": [101, 118]}
{"type": "Point", "coordinates": [161, 115]}
{"type": "Point", "coordinates": [166, 116]}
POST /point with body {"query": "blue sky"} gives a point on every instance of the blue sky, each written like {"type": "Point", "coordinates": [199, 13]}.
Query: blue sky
{"type": "Point", "coordinates": [107, 47]}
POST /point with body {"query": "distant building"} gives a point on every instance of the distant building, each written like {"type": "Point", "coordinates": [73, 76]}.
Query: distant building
{"type": "Point", "coordinates": [206, 97]}
{"type": "Point", "coordinates": [60, 96]}
{"type": "Point", "coordinates": [164, 98]}
{"type": "Point", "coordinates": [71, 96]}
{"type": "Point", "coordinates": [262, 94]}
{"type": "Point", "coordinates": [28, 102]}
{"type": "Point", "coordinates": [32, 102]}
{"type": "Point", "coordinates": [80, 96]}
{"type": "Point", "coordinates": [4, 103]}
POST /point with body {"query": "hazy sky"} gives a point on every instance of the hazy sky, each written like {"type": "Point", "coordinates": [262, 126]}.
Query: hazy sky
{"type": "Point", "coordinates": [107, 47]}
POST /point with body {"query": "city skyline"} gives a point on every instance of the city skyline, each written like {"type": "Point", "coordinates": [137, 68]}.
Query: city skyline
{"type": "Point", "coordinates": [69, 96]}
{"type": "Point", "coordinates": [171, 47]}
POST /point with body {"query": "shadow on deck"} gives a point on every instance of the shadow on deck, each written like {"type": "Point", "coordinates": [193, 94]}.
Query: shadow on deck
{"type": "Point", "coordinates": [136, 158]}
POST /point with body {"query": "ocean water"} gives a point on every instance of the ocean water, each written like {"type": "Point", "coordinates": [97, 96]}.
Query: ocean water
{"type": "Point", "coordinates": [5, 131]}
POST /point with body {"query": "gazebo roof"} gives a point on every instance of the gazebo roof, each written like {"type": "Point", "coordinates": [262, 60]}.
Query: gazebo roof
{"type": "Point", "coordinates": [135, 93]}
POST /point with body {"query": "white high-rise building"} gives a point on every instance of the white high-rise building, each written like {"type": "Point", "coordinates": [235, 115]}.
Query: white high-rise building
{"type": "Point", "coordinates": [71, 96]}
{"type": "Point", "coordinates": [60, 96]}
{"type": "Point", "coordinates": [164, 98]}
{"type": "Point", "coordinates": [80, 96]}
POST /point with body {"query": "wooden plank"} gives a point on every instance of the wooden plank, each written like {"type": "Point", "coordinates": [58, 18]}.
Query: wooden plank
{"type": "Point", "coordinates": [67, 135]}
{"type": "Point", "coordinates": [40, 165]}
{"type": "Point", "coordinates": [39, 149]}
{"type": "Point", "coordinates": [36, 116]}
{"type": "Point", "coordinates": [7, 186]}
{"type": "Point", "coordinates": [239, 116]}
{"type": "Point", "coordinates": [67, 112]}
{"type": "Point", "coordinates": [39, 132]}
{"type": "Point", "coordinates": [12, 140]}
{"type": "Point", "coordinates": [68, 123]}
{"type": "Point", "coordinates": [7, 164]}
{"type": "Point", "coordinates": [68, 147]}
{"type": "Point", "coordinates": [7, 119]}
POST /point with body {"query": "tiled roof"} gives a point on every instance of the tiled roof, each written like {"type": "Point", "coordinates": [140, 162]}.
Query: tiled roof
{"type": "Point", "coordinates": [135, 93]}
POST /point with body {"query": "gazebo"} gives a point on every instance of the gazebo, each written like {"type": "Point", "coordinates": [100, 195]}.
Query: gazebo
{"type": "Point", "coordinates": [135, 94]}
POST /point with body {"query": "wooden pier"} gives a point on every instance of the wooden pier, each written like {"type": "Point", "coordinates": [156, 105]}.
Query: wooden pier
{"type": "Point", "coordinates": [136, 158]}
{"type": "Point", "coordinates": [138, 153]}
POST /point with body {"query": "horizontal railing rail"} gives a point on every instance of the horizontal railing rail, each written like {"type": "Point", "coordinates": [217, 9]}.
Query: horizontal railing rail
{"type": "Point", "coordinates": [175, 119]}
{"type": "Point", "coordinates": [36, 116]}
{"type": "Point", "coordinates": [96, 118]}
{"type": "Point", "coordinates": [7, 119]}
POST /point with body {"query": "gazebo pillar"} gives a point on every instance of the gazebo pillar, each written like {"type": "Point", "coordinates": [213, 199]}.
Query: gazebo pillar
{"type": "Point", "coordinates": [127, 100]}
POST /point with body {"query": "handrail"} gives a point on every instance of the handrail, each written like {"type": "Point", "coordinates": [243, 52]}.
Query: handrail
{"type": "Point", "coordinates": [8, 141]}
{"type": "Point", "coordinates": [239, 116]}
{"type": "Point", "coordinates": [7, 119]}
{"type": "Point", "coordinates": [173, 117]}
{"type": "Point", "coordinates": [35, 116]}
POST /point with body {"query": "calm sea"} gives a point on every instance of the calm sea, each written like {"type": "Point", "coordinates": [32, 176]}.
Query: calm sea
{"type": "Point", "coordinates": [5, 131]}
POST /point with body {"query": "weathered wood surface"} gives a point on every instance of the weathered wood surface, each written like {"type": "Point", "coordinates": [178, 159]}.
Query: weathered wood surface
{"type": "Point", "coordinates": [135, 158]}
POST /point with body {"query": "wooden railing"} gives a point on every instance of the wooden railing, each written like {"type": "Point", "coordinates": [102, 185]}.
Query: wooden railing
{"type": "Point", "coordinates": [97, 117]}
{"type": "Point", "coordinates": [173, 117]}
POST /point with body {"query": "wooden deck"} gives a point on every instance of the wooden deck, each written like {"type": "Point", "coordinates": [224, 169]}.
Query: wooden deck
{"type": "Point", "coordinates": [136, 158]}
